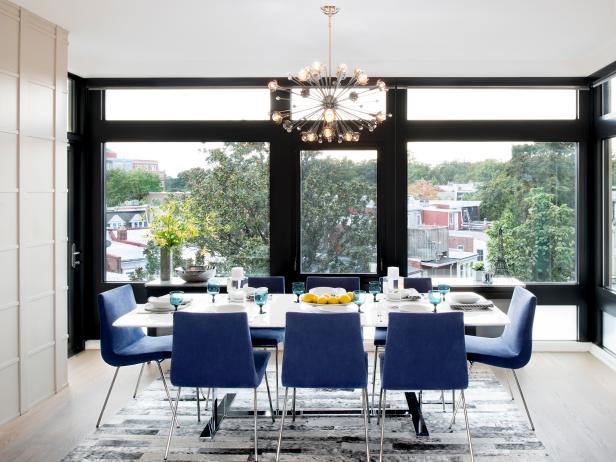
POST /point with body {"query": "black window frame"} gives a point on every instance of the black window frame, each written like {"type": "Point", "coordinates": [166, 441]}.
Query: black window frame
{"type": "Point", "coordinates": [390, 141]}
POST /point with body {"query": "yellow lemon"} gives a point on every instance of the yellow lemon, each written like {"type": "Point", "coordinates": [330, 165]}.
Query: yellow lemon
{"type": "Point", "coordinates": [350, 295]}
{"type": "Point", "coordinates": [332, 300]}
{"type": "Point", "coordinates": [344, 299]}
{"type": "Point", "coordinates": [322, 300]}
{"type": "Point", "coordinates": [310, 298]}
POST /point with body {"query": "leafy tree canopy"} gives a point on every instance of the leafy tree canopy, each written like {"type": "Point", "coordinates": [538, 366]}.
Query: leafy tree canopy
{"type": "Point", "coordinates": [130, 185]}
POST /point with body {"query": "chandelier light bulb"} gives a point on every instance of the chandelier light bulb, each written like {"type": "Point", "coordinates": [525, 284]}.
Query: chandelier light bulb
{"type": "Point", "coordinates": [329, 115]}
{"type": "Point", "coordinates": [273, 85]}
{"type": "Point", "coordinates": [342, 70]}
{"type": "Point", "coordinates": [380, 117]}
{"type": "Point", "coordinates": [355, 136]}
{"type": "Point", "coordinates": [305, 92]}
{"type": "Point", "coordinates": [353, 96]}
{"type": "Point", "coordinates": [381, 85]}
{"type": "Point", "coordinates": [311, 137]}
{"type": "Point", "coordinates": [303, 75]}
{"type": "Point", "coordinates": [362, 78]}
{"type": "Point", "coordinates": [276, 117]}
{"type": "Point", "coordinates": [328, 133]}
{"type": "Point", "coordinates": [348, 136]}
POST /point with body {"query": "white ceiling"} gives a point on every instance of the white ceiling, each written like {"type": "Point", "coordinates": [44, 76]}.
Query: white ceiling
{"type": "Point", "coordinates": [262, 38]}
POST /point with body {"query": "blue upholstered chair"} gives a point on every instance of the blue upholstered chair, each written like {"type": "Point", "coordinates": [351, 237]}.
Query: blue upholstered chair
{"type": "Point", "coordinates": [127, 346]}
{"type": "Point", "coordinates": [324, 350]}
{"type": "Point", "coordinates": [512, 350]}
{"type": "Point", "coordinates": [349, 283]}
{"type": "Point", "coordinates": [421, 285]}
{"type": "Point", "coordinates": [263, 337]}
{"type": "Point", "coordinates": [225, 359]}
{"type": "Point", "coordinates": [424, 352]}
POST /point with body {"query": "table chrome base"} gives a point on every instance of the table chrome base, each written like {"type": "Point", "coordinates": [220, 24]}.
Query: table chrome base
{"type": "Point", "coordinates": [221, 409]}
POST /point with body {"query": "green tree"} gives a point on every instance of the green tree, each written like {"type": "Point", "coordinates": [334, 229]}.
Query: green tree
{"type": "Point", "coordinates": [130, 185]}
{"type": "Point", "coordinates": [539, 248]}
{"type": "Point", "coordinates": [338, 217]}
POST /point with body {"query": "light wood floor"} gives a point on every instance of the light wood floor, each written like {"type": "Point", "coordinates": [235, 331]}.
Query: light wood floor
{"type": "Point", "coordinates": [572, 397]}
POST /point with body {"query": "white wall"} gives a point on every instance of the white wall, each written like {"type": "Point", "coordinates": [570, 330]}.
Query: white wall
{"type": "Point", "coordinates": [33, 209]}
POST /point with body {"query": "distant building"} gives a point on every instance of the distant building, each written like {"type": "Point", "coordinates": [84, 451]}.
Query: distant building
{"type": "Point", "coordinates": [112, 162]}
{"type": "Point", "coordinates": [128, 216]}
{"type": "Point", "coordinates": [455, 191]}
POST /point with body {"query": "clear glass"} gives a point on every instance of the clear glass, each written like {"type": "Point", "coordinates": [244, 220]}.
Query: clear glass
{"type": "Point", "coordinates": [213, 289]}
{"type": "Point", "coordinates": [609, 147]}
{"type": "Point", "coordinates": [261, 298]}
{"type": "Point", "coordinates": [509, 204]}
{"type": "Point", "coordinates": [443, 289]}
{"type": "Point", "coordinates": [434, 297]}
{"type": "Point", "coordinates": [609, 96]}
{"type": "Point", "coordinates": [222, 189]}
{"type": "Point", "coordinates": [187, 104]}
{"type": "Point", "coordinates": [359, 297]}
{"type": "Point", "coordinates": [491, 104]}
{"type": "Point", "coordinates": [609, 332]}
{"type": "Point", "coordinates": [338, 211]}
{"type": "Point", "coordinates": [298, 289]}
{"type": "Point", "coordinates": [374, 287]}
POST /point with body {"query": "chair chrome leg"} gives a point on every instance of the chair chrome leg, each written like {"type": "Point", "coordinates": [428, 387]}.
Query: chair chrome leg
{"type": "Point", "coordinates": [532, 425]}
{"type": "Point", "coordinates": [198, 405]}
{"type": "Point", "coordinates": [364, 399]}
{"type": "Point", "coordinates": [269, 396]}
{"type": "Point", "coordinates": [276, 360]}
{"type": "Point", "coordinates": [374, 372]}
{"type": "Point", "coordinates": [456, 406]}
{"type": "Point", "coordinates": [378, 413]}
{"type": "Point", "coordinates": [138, 380]}
{"type": "Point", "coordinates": [284, 412]}
{"type": "Point", "coordinates": [100, 416]}
{"type": "Point", "coordinates": [509, 385]}
{"type": "Point", "coordinates": [207, 398]}
{"type": "Point", "coordinates": [443, 399]}
{"type": "Point", "coordinates": [468, 430]}
{"type": "Point", "coordinates": [293, 406]}
{"type": "Point", "coordinates": [384, 404]}
{"type": "Point", "coordinates": [254, 409]}
{"type": "Point", "coordinates": [162, 376]}
{"type": "Point", "coordinates": [173, 422]}
{"type": "Point", "coordinates": [453, 400]}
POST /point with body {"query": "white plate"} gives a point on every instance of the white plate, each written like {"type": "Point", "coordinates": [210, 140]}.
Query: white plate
{"type": "Point", "coordinates": [413, 307]}
{"type": "Point", "coordinates": [229, 308]}
{"type": "Point", "coordinates": [320, 305]}
{"type": "Point", "coordinates": [318, 291]}
{"type": "Point", "coordinates": [334, 308]}
{"type": "Point", "coordinates": [465, 298]}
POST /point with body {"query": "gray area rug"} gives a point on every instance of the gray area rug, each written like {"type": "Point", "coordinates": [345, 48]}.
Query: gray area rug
{"type": "Point", "coordinates": [499, 429]}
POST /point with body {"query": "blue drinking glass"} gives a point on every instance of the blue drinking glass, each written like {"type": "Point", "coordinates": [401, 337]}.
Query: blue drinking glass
{"type": "Point", "coordinates": [213, 288]}
{"type": "Point", "coordinates": [261, 298]}
{"type": "Point", "coordinates": [359, 297]}
{"type": "Point", "coordinates": [374, 287]}
{"type": "Point", "coordinates": [434, 297]}
{"type": "Point", "coordinates": [298, 288]}
{"type": "Point", "coordinates": [176, 298]}
{"type": "Point", "coordinates": [443, 289]}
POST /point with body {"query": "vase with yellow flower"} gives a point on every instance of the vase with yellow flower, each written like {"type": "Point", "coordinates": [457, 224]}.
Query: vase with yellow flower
{"type": "Point", "coordinates": [170, 229]}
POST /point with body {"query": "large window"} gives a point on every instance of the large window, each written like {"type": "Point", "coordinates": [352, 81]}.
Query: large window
{"type": "Point", "coordinates": [338, 211]}
{"type": "Point", "coordinates": [508, 204]}
{"type": "Point", "coordinates": [491, 104]}
{"type": "Point", "coordinates": [187, 104]}
{"type": "Point", "coordinates": [609, 96]}
{"type": "Point", "coordinates": [609, 147]}
{"type": "Point", "coordinates": [220, 191]}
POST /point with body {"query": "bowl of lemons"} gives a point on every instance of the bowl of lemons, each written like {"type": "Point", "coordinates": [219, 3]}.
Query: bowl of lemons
{"type": "Point", "coordinates": [326, 300]}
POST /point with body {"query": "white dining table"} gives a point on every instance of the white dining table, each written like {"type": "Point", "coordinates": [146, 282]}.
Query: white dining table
{"type": "Point", "coordinates": [278, 305]}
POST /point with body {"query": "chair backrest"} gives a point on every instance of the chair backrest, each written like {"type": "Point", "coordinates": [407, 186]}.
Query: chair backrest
{"type": "Point", "coordinates": [425, 351]}
{"type": "Point", "coordinates": [111, 305]}
{"type": "Point", "coordinates": [324, 350]}
{"type": "Point", "coordinates": [349, 283]}
{"type": "Point", "coordinates": [212, 350]}
{"type": "Point", "coordinates": [421, 285]}
{"type": "Point", "coordinates": [518, 335]}
{"type": "Point", "coordinates": [274, 284]}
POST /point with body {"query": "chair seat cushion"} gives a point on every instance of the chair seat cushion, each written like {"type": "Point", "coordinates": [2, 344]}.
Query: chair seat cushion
{"type": "Point", "coordinates": [380, 336]}
{"type": "Point", "coordinates": [490, 351]}
{"type": "Point", "coordinates": [262, 337]}
{"type": "Point", "coordinates": [145, 349]}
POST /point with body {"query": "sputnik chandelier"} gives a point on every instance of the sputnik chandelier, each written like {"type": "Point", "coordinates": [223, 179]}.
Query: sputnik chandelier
{"type": "Point", "coordinates": [333, 109]}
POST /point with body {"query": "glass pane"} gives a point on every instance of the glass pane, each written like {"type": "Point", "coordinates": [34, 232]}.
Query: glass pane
{"type": "Point", "coordinates": [609, 96]}
{"type": "Point", "coordinates": [609, 332]}
{"type": "Point", "coordinates": [491, 104]}
{"type": "Point", "coordinates": [338, 211]}
{"type": "Point", "coordinates": [555, 322]}
{"type": "Point", "coordinates": [217, 194]}
{"type": "Point", "coordinates": [187, 104]}
{"type": "Point", "coordinates": [310, 106]}
{"type": "Point", "coordinates": [509, 205]}
{"type": "Point", "coordinates": [610, 150]}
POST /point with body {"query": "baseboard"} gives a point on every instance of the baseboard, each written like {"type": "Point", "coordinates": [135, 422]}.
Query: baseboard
{"type": "Point", "coordinates": [93, 345]}
{"type": "Point", "coordinates": [561, 346]}
{"type": "Point", "coordinates": [604, 356]}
